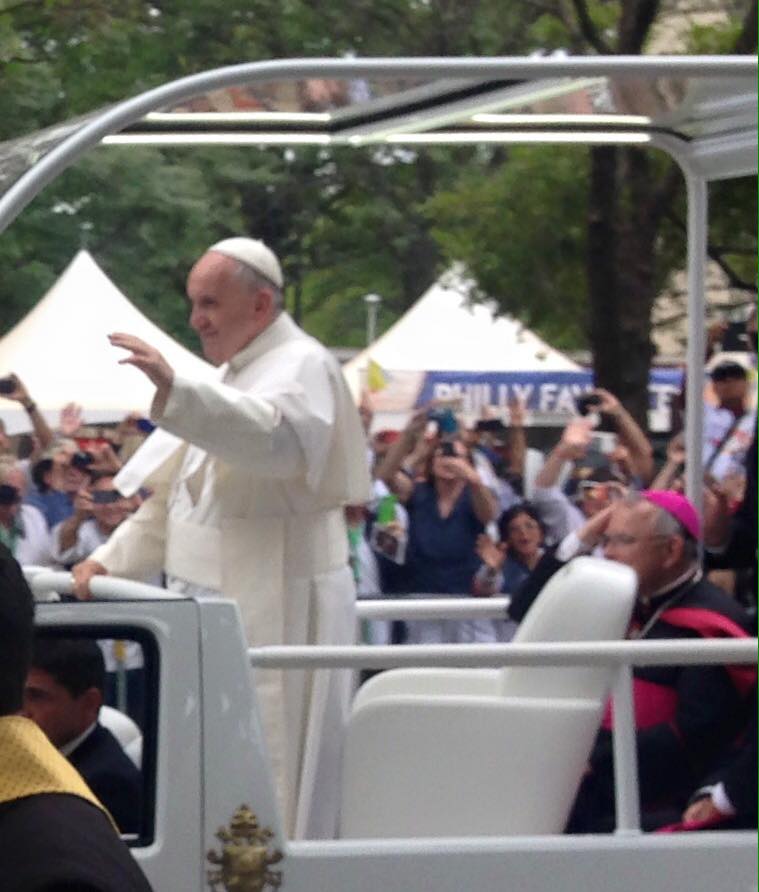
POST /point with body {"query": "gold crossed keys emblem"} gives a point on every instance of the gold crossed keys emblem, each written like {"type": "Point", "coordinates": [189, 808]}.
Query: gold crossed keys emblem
{"type": "Point", "coordinates": [244, 863]}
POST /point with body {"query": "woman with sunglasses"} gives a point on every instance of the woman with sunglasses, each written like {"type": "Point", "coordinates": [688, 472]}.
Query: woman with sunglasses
{"type": "Point", "coordinates": [449, 505]}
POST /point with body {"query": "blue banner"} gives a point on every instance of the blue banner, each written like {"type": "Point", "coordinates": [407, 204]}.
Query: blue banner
{"type": "Point", "coordinates": [540, 392]}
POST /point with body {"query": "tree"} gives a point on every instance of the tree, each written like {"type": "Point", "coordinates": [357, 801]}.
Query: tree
{"type": "Point", "coordinates": [343, 222]}
{"type": "Point", "coordinates": [631, 195]}
{"type": "Point", "coordinates": [519, 228]}
{"type": "Point", "coordinates": [545, 233]}
{"type": "Point", "coordinates": [597, 245]}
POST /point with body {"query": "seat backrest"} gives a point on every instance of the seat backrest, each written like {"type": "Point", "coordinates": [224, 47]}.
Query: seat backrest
{"type": "Point", "coordinates": [125, 730]}
{"type": "Point", "coordinates": [590, 599]}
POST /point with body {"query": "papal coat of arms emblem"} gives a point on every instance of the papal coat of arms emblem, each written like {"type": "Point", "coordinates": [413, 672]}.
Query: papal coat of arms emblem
{"type": "Point", "coordinates": [245, 860]}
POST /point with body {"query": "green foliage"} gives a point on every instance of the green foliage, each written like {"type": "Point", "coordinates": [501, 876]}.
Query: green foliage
{"type": "Point", "coordinates": [143, 216]}
{"type": "Point", "coordinates": [732, 204]}
{"type": "Point", "coordinates": [520, 229]}
{"type": "Point", "coordinates": [713, 39]}
{"type": "Point", "coordinates": [344, 222]}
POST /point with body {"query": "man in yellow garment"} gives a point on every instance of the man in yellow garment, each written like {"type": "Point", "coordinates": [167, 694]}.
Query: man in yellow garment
{"type": "Point", "coordinates": [248, 503]}
{"type": "Point", "coordinates": [54, 834]}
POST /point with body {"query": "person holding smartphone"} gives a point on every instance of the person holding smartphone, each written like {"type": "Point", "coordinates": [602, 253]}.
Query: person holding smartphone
{"type": "Point", "coordinates": [98, 509]}
{"type": "Point", "coordinates": [447, 510]}
{"type": "Point", "coordinates": [601, 484]}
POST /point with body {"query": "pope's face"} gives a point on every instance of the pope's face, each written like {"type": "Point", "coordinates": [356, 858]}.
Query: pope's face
{"type": "Point", "coordinates": [225, 313]}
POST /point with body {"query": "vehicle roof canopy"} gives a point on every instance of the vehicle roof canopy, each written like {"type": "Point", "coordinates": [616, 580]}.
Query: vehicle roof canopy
{"type": "Point", "coordinates": [708, 105]}
{"type": "Point", "coordinates": [703, 108]}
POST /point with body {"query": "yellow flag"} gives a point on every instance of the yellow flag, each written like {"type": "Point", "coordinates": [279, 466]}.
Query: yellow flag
{"type": "Point", "coordinates": [376, 379]}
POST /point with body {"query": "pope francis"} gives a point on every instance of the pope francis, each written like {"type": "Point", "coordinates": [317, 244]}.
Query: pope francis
{"type": "Point", "coordinates": [250, 470]}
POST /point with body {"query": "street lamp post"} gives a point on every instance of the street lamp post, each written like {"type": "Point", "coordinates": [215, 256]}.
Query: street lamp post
{"type": "Point", "coordinates": [372, 302]}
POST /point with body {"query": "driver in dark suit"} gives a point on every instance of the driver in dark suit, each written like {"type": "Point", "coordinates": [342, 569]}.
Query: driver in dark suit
{"type": "Point", "coordinates": [63, 695]}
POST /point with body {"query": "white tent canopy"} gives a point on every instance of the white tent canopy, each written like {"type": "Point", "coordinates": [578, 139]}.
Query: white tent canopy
{"type": "Point", "coordinates": [444, 332]}
{"type": "Point", "coordinates": [61, 352]}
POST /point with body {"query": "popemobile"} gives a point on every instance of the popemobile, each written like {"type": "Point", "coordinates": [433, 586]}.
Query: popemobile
{"type": "Point", "coordinates": [460, 763]}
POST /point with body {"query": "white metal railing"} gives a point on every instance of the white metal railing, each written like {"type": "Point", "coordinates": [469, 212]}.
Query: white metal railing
{"type": "Point", "coordinates": [42, 581]}
{"type": "Point", "coordinates": [622, 654]}
{"type": "Point", "coordinates": [432, 607]}
{"type": "Point", "coordinates": [554, 653]}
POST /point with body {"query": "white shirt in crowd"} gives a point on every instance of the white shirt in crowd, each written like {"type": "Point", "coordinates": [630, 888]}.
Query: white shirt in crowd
{"type": "Point", "coordinates": [731, 457]}
{"type": "Point", "coordinates": [34, 547]}
{"type": "Point", "coordinates": [88, 537]}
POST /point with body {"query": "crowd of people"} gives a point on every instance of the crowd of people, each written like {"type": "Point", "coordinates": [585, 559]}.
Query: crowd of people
{"type": "Point", "coordinates": [470, 517]}
{"type": "Point", "coordinates": [440, 507]}
{"type": "Point", "coordinates": [57, 497]}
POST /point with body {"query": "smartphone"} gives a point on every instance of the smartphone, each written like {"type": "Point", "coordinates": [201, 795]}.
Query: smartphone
{"type": "Point", "coordinates": [604, 442]}
{"type": "Point", "coordinates": [490, 425]}
{"type": "Point", "coordinates": [7, 385]}
{"type": "Point", "coordinates": [444, 419]}
{"type": "Point", "coordinates": [82, 459]}
{"type": "Point", "coordinates": [447, 449]}
{"type": "Point", "coordinates": [735, 338]}
{"type": "Point", "coordinates": [106, 496]}
{"type": "Point", "coordinates": [145, 425]}
{"type": "Point", "coordinates": [585, 403]}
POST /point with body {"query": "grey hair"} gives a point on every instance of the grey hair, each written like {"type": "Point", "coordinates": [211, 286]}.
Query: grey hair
{"type": "Point", "coordinates": [253, 280]}
{"type": "Point", "coordinates": [665, 524]}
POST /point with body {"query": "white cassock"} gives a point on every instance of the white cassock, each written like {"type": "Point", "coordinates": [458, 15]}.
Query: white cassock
{"type": "Point", "coordinates": [248, 504]}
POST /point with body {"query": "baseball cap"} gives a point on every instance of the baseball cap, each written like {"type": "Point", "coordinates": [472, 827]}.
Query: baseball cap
{"type": "Point", "coordinates": [726, 371]}
{"type": "Point", "coordinates": [729, 364]}
{"type": "Point", "coordinates": [679, 506]}
{"type": "Point", "coordinates": [252, 253]}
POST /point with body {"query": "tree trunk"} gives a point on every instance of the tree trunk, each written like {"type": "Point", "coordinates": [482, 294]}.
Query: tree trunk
{"type": "Point", "coordinates": [603, 289]}
{"type": "Point", "coordinates": [624, 213]}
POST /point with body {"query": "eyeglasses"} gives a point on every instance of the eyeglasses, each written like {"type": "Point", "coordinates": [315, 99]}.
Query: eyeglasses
{"type": "Point", "coordinates": [625, 539]}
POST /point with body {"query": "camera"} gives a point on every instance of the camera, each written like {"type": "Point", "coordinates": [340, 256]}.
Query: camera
{"type": "Point", "coordinates": [105, 496]}
{"type": "Point", "coordinates": [735, 338]}
{"type": "Point", "coordinates": [445, 420]}
{"type": "Point", "coordinates": [447, 449]}
{"type": "Point", "coordinates": [82, 460]}
{"type": "Point", "coordinates": [586, 402]}
{"type": "Point", "coordinates": [7, 385]}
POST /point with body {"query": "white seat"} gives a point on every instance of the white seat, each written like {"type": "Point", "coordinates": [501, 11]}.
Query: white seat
{"type": "Point", "coordinates": [125, 730]}
{"type": "Point", "coordinates": [451, 752]}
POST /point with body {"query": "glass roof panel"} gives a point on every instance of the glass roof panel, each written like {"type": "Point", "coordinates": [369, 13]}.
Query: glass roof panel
{"type": "Point", "coordinates": [683, 105]}
{"type": "Point", "coordinates": [313, 96]}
